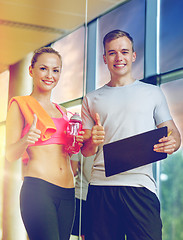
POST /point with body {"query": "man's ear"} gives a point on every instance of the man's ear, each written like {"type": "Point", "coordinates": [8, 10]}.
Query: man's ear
{"type": "Point", "coordinates": [30, 70]}
{"type": "Point", "coordinates": [104, 57]}
{"type": "Point", "coordinates": [134, 56]}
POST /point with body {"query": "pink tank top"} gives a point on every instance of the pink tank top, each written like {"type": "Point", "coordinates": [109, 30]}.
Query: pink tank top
{"type": "Point", "coordinates": [59, 137]}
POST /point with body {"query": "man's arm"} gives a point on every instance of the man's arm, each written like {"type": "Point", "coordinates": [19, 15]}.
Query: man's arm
{"type": "Point", "coordinates": [93, 138]}
{"type": "Point", "coordinates": [172, 142]}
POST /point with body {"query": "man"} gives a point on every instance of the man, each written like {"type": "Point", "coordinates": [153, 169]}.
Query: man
{"type": "Point", "coordinates": [125, 203]}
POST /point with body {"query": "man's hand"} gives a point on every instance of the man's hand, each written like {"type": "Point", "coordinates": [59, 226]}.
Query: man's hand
{"type": "Point", "coordinates": [166, 145]}
{"type": "Point", "coordinates": [97, 132]}
{"type": "Point", "coordinates": [93, 138]}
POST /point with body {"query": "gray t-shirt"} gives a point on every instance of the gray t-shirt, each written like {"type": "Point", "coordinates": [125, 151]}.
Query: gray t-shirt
{"type": "Point", "coordinates": [125, 111]}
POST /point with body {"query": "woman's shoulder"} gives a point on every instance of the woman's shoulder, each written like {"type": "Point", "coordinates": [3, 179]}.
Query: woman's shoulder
{"type": "Point", "coordinates": [19, 99]}
{"type": "Point", "coordinates": [13, 105]}
{"type": "Point", "coordinates": [14, 112]}
{"type": "Point", "coordinates": [61, 108]}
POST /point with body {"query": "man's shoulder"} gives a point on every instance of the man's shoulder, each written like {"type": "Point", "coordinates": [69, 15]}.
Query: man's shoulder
{"type": "Point", "coordinates": [147, 85]}
{"type": "Point", "coordinates": [95, 92]}
{"type": "Point", "coordinates": [142, 83]}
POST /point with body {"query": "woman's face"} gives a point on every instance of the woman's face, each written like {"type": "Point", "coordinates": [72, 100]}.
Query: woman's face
{"type": "Point", "coordinates": [46, 72]}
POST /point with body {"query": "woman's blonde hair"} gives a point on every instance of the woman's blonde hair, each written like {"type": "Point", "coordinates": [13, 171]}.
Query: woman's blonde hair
{"type": "Point", "coordinates": [42, 50]}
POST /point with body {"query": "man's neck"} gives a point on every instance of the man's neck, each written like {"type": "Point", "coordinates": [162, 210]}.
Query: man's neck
{"type": "Point", "coordinates": [119, 82]}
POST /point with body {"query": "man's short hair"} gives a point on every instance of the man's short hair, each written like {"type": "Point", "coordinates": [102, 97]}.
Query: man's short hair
{"type": "Point", "coordinates": [116, 34]}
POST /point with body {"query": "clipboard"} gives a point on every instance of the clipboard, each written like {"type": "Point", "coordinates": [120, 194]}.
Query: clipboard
{"type": "Point", "coordinates": [133, 152]}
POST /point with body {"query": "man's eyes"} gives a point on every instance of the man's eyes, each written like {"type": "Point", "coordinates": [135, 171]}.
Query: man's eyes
{"type": "Point", "coordinates": [114, 53]}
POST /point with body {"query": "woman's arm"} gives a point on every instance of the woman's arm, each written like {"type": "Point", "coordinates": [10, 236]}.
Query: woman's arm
{"type": "Point", "coordinates": [15, 145]}
{"type": "Point", "coordinates": [74, 165]}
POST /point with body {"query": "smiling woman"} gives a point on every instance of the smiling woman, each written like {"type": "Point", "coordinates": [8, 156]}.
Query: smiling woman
{"type": "Point", "coordinates": [47, 200]}
{"type": "Point", "coordinates": [45, 68]}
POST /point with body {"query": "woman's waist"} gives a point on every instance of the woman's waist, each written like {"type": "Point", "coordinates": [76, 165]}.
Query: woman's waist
{"type": "Point", "coordinates": [58, 175]}
{"type": "Point", "coordinates": [49, 165]}
{"type": "Point", "coordinates": [48, 152]}
{"type": "Point", "coordinates": [46, 163]}
{"type": "Point", "coordinates": [33, 185]}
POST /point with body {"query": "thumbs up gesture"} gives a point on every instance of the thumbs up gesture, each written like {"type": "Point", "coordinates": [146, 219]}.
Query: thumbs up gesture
{"type": "Point", "coordinates": [97, 132]}
{"type": "Point", "coordinates": [33, 134]}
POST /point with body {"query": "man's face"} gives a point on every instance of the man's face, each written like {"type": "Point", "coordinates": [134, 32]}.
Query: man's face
{"type": "Point", "coordinates": [119, 56]}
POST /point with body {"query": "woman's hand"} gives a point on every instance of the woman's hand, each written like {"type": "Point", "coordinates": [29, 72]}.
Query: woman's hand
{"type": "Point", "coordinates": [80, 139]}
{"type": "Point", "coordinates": [15, 144]}
{"type": "Point", "coordinates": [33, 134]}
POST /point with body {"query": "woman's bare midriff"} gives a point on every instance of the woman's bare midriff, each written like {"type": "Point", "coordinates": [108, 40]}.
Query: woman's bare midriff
{"type": "Point", "coordinates": [50, 163]}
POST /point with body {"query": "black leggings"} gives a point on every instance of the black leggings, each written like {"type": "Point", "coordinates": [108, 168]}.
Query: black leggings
{"type": "Point", "coordinates": [47, 210]}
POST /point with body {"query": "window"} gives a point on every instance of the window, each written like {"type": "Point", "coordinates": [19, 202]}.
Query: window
{"type": "Point", "coordinates": [4, 82]}
{"type": "Point", "coordinates": [171, 178]}
{"type": "Point", "coordinates": [2, 157]}
{"type": "Point", "coordinates": [171, 35]}
{"type": "Point", "coordinates": [129, 17]}
{"type": "Point", "coordinates": [71, 49]}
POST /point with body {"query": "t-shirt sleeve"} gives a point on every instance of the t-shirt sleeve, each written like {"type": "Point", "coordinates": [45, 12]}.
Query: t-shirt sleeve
{"type": "Point", "coordinates": [161, 111]}
{"type": "Point", "coordinates": [76, 157]}
{"type": "Point", "coordinates": [87, 120]}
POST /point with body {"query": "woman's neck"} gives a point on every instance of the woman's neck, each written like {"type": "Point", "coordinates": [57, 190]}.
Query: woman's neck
{"type": "Point", "coordinates": [41, 97]}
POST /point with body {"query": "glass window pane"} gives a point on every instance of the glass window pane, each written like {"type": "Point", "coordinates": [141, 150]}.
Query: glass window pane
{"type": "Point", "coordinates": [71, 49]}
{"type": "Point", "coordinates": [4, 89]}
{"type": "Point", "coordinates": [171, 35]}
{"type": "Point", "coordinates": [173, 91]}
{"type": "Point", "coordinates": [2, 158]}
{"type": "Point", "coordinates": [74, 109]}
{"type": "Point", "coordinates": [171, 177]}
{"type": "Point", "coordinates": [129, 17]}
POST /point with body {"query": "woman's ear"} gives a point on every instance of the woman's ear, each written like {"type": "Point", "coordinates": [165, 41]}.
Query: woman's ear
{"type": "Point", "coordinates": [30, 70]}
